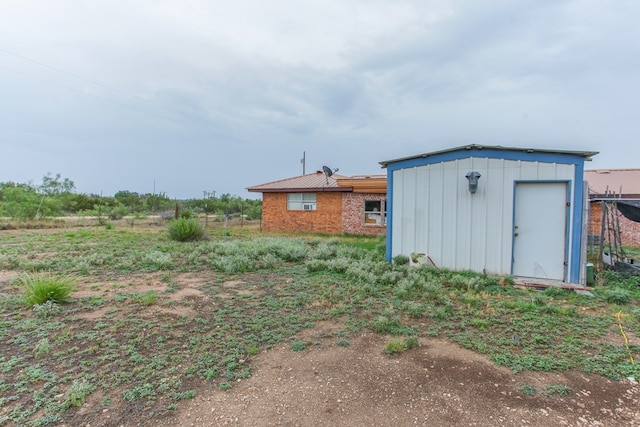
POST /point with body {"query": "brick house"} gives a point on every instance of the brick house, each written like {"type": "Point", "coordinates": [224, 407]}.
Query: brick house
{"type": "Point", "coordinates": [613, 184]}
{"type": "Point", "coordinates": [319, 203]}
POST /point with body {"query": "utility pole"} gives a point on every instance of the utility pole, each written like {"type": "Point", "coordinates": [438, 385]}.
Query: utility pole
{"type": "Point", "coordinates": [303, 161]}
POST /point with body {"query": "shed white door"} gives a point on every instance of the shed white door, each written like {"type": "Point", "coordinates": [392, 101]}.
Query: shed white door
{"type": "Point", "coordinates": [540, 230]}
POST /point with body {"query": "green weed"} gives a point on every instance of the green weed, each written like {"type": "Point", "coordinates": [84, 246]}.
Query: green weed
{"type": "Point", "coordinates": [556, 390]}
{"type": "Point", "coordinates": [395, 346]}
{"type": "Point", "coordinates": [78, 392]}
{"type": "Point", "coordinates": [148, 298]}
{"type": "Point", "coordinates": [38, 289]}
{"type": "Point", "coordinates": [299, 345]}
{"type": "Point", "coordinates": [528, 390]}
{"type": "Point", "coordinates": [42, 347]}
{"type": "Point", "coordinates": [138, 392]}
{"type": "Point", "coordinates": [401, 259]}
{"type": "Point", "coordinates": [47, 309]}
{"type": "Point", "coordinates": [156, 260]}
{"type": "Point", "coordinates": [386, 325]}
{"type": "Point", "coordinates": [480, 323]}
{"type": "Point", "coordinates": [400, 345]}
{"type": "Point", "coordinates": [619, 296]}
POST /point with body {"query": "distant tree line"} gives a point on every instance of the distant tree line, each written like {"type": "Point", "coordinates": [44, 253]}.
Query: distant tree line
{"type": "Point", "coordinates": [56, 196]}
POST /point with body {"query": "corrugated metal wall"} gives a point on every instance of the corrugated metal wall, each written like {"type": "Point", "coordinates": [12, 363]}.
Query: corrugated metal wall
{"type": "Point", "coordinates": [434, 212]}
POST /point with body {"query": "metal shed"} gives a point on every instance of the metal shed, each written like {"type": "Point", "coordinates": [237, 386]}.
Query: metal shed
{"type": "Point", "coordinates": [499, 210]}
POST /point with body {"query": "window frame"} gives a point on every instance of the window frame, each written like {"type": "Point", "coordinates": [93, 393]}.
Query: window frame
{"type": "Point", "coordinates": [373, 217]}
{"type": "Point", "coordinates": [302, 202]}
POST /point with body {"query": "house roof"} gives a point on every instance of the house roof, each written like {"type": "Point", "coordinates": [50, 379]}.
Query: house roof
{"type": "Point", "coordinates": [613, 182]}
{"type": "Point", "coordinates": [364, 177]}
{"type": "Point", "coordinates": [476, 147]}
{"type": "Point", "coordinates": [311, 182]}
{"type": "Point", "coordinates": [365, 183]}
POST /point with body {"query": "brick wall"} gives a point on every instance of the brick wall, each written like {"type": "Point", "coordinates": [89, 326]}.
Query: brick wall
{"type": "Point", "coordinates": [353, 214]}
{"type": "Point", "coordinates": [629, 230]}
{"type": "Point", "coordinates": [325, 219]}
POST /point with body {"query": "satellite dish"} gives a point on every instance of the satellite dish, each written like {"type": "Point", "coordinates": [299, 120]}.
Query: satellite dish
{"type": "Point", "coordinates": [328, 172]}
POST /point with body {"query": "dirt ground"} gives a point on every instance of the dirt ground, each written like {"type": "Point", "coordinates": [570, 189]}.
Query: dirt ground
{"type": "Point", "coordinates": [437, 384]}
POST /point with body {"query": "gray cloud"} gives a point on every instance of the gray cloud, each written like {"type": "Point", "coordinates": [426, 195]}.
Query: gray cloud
{"type": "Point", "coordinates": [199, 95]}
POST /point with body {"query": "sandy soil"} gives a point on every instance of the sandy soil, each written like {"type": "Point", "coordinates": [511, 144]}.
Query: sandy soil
{"type": "Point", "coordinates": [437, 383]}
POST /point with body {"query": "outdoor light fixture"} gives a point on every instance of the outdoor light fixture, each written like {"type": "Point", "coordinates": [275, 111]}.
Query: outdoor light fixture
{"type": "Point", "coordinates": [473, 178]}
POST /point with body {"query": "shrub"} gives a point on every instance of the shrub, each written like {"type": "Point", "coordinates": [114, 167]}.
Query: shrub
{"type": "Point", "coordinates": [401, 259]}
{"type": "Point", "coordinates": [618, 296]}
{"type": "Point", "coordinates": [186, 230]}
{"type": "Point", "coordinates": [117, 212]}
{"type": "Point", "coordinates": [186, 214]}
{"type": "Point", "coordinates": [40, 289]}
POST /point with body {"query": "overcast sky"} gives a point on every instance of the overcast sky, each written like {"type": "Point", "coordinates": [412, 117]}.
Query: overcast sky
{"type": "Point", "coordinates": [188, 96]}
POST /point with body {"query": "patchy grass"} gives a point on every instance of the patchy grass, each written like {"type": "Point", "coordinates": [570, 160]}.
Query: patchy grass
{"type": "Point", "coordinates": [528, 390]}
{"type": "Point", "coordinates": [400, 345]}
{"type": "Point", "coordinates": [143, 351]}
{"type": "Point", "coordinates": [556, 390]}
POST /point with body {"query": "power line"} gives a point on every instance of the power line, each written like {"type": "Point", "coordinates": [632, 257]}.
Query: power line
{"type": "Point", "coordinates": [103, 99]}
{"type": "Point", "coordinates": [91, 81]}
{"type": "Point", "coordinates": [89, 94]}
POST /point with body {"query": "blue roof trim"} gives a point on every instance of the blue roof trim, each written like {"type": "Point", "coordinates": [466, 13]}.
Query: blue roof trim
{"type": "Point", "coordinates": [477, 147]}
{"type": "Point", "coordinates": [561, 158]}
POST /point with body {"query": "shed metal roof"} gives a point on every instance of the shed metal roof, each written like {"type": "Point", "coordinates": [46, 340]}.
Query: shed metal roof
{"type": "Point", "coordinates": [586, 154]}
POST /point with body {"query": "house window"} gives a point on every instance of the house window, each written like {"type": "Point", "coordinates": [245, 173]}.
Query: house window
{"type": "Point", "coordinates": [375, 212]}
{"type": "Point", "coordinates": [301, 201]}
